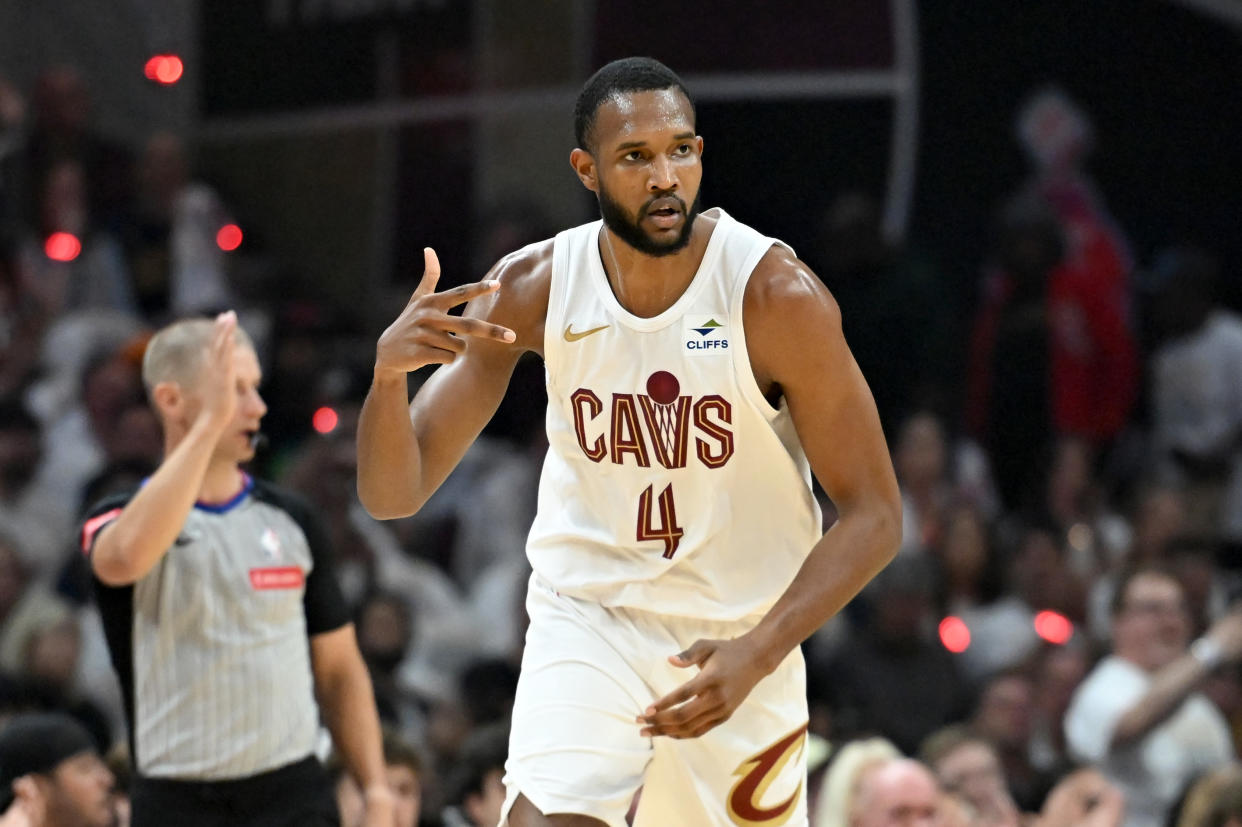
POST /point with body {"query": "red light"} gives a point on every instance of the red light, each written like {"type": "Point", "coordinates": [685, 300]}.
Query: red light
{"type": "Point", "coordinates": [1054, 627]}
{"type": "Point", "coordinates": [229, 237]}
{"type": "Point", "coordinates": [955, 634]}
{"type": "Point", "coordinates": [324, 421]}
{"type": "Point", "coordinates": [62, 246]}
{"type": "Point", "coordinates": [165, 69]}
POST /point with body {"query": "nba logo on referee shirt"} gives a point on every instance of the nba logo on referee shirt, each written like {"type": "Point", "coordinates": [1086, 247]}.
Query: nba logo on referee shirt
{"type": "Point", "coordinates": [706, 335]}
{"type": "Point", "coordinates": [270, 544]}
{"type": "Point", "coordinates": [278, 578]}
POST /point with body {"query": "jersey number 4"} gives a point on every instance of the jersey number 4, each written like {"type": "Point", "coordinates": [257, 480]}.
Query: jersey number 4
{"type": "Point", "coordinates": [658, 520]}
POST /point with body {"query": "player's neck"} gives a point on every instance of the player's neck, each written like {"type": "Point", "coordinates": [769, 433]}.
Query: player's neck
{"type": "Point", "coordinates": [647, 285]}
{"type": "Point", "coordinates": [221, 482]}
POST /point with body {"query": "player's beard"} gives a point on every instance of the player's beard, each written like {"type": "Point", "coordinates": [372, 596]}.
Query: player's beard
{"type": "Point", "coordinates": [631, 232]}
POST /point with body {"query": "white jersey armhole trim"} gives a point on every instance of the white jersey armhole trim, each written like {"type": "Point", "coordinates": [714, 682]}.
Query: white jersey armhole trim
{"type": "Point", "coordinates": [741, 355]}
{"type": "Point", "coordinates": [558, 292]}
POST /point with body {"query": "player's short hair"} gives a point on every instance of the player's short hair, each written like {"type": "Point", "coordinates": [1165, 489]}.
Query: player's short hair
{"type": "Point", "coordinates": [176, 352]}
{"type": "Point", "coordinates": [629, 74]}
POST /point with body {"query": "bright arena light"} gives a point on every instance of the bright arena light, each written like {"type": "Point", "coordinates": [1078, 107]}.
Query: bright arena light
{"type": "Point", "coordinates": [62, 246]}
{"type": "Point", "coordinates": [955, 634]}
{"type": "Point", "coordinates": [229, 237]}
{"type": "Point", "coordinates": [165, 69]}
{"type": "Point", "coordinates": [1054, 627]}
{"type": "Point", "coordinates": [324, 420]}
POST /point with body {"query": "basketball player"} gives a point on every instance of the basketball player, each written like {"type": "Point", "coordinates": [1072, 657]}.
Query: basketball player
{"type": "Point", "coordinates": [694, 366]}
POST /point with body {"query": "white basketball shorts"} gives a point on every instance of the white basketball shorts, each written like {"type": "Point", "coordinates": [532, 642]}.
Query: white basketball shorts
{"type": "Point", "coordinates": [589, 671]}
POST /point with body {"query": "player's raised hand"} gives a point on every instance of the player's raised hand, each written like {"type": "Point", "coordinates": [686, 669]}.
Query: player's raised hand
{"type": "Point", "coordinates": [426, 333]}
{"type": "Point", "coordinates": [728, 671]}
{"type": "Point", "coordinates": [219, 374]}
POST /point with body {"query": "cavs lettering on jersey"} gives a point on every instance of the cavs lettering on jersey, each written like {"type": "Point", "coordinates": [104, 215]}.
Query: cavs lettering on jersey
{"type": "Point", "coordinates": [671, 484]}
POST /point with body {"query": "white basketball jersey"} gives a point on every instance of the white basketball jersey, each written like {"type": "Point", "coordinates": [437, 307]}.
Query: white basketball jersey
{"type": "Point", "coordinates": [670, 484]}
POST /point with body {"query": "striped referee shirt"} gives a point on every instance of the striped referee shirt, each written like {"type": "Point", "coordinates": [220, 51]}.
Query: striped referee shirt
{"type": "Point", "coordinates": [211, 647]}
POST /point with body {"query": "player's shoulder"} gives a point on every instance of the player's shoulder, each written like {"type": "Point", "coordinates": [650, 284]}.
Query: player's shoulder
{"type": "Point", "coordinates": [521, 303]}
{"type": "Point", "coordinates": [783, 289]}
{"type": "Point", "coordinates": [526, 269]}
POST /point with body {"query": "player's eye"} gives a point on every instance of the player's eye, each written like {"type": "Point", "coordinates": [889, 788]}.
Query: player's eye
{"type": "Point", "coordinates": [684, 149]}
{"type": "Point", "coordinates": [633, 155]}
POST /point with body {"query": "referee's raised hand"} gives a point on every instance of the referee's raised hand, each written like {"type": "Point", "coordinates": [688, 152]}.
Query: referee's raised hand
{"type": "Point", "coordinates": [218, 379]}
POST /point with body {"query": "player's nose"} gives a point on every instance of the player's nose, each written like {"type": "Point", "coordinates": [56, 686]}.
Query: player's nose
{"type": "Point", "coordinates": [663, 175]}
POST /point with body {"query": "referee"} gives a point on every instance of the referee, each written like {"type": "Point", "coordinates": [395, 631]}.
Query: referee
{"type": "Point", "coordinates": [222, 615]}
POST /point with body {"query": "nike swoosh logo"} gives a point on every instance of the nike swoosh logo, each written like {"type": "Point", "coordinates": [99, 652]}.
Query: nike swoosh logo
{"type": "Point", "coordinates": [570, 336]}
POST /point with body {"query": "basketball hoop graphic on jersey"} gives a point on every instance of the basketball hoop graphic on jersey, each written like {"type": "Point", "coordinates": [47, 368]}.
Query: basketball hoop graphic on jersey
{"type": "Point", "coordinates": [668, 417]}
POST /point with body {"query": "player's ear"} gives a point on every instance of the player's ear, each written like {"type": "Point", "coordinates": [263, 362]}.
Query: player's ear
{"type": "Point", "coordinates": [584, 164]}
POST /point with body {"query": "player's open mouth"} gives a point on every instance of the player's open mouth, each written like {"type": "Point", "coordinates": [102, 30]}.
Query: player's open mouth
{"type": "Point", "coordinates": [665, 216]}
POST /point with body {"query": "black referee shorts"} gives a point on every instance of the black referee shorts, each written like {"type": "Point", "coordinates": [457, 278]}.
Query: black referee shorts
{"type": "Point", "coordinates": [296, 795]}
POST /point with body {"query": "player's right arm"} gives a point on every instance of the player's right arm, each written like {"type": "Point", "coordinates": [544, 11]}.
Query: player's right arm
{"type": "Point", "coordinates": [130, 546]}
{"type": "Point", "coordinates": [406, 449]}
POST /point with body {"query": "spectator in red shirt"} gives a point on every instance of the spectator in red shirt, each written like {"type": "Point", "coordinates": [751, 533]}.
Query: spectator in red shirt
{"type": "Point", "coordinates": [1052, 353]}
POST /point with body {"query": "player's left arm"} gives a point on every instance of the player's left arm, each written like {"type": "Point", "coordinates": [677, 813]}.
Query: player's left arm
{"type": "Point", "coordinates": [347, 700]}
{"type": "Point", "coordinates": [797, 349]}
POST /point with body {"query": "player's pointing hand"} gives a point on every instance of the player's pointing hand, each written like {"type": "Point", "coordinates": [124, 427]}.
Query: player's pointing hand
{"type": "Point", "coordinates": [426, 333]}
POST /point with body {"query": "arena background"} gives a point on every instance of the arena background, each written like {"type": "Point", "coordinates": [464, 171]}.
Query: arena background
{"type": "Point", "coordinates": [357, 131]}
{"type": "Point", "coordinates": [343, 136]}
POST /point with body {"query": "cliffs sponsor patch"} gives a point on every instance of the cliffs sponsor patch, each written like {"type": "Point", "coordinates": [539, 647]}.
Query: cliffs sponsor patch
{"type": "Point", "coordinates": [706, 335]}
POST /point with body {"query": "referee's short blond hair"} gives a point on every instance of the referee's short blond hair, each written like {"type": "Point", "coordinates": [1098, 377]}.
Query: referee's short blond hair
{"type": "Point", "coordinates": [176, 352]}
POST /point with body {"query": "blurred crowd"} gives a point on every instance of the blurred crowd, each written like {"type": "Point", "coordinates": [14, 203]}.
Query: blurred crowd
{"type": "Point", "coordinates": [1067, 440]}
